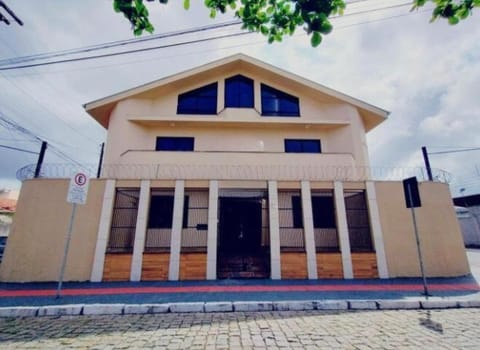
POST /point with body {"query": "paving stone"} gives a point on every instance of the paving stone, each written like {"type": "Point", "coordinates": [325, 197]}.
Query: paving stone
{"type": "Point", "coordinates": [187, 307]}
{"type": "Point", "coordinates": [60, 310]}
{"type": "Point", "coordinates": [439, 304]}
{"type": "Point", "coordinates": [20, 311]}
{"type": "Point", "coordinates": [218, 307]}
{"type": "Point", "coordinates": [362, 305]}
{"type": "Point", "coordinates": [293, 305]}
{"type": "Point", "coordinates": [398, 304]}
{"type": "Point", "coordinates": [103, 309]}
{"type": "Point", "coordinates": [252, 306]}
{"type": "Point", "coordinates": [331, 305]}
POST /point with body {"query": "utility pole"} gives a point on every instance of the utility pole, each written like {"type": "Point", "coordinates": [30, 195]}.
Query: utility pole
{"type": "Point", "coordinates": [101, 160]}
{"type": "Point", "coordinates": [40, 159]}
{"type": "Point", "coordinates": [427, 163]}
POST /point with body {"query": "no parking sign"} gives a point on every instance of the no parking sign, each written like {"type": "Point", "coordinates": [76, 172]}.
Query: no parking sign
{"type": "Point", "coordinates": [77, 191]}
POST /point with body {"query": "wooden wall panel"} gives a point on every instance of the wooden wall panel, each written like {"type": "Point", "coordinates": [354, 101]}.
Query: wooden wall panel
{"type": "Point", "coordinates": [193, 266]}
{"type": "Point", "coordinates": [364, 265]}
{"type": "Point", "coordinates": [117, 267]}
{"type": "Point", "coordinates": [155, 266]}
{"type": "Point", "coordinates": [329, 265]}
{"type": "Point", "coordinates": [294, 265]}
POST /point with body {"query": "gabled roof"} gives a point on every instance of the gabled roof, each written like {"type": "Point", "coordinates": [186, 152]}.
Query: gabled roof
{"type": "Point", "coordinates": [101, 109]}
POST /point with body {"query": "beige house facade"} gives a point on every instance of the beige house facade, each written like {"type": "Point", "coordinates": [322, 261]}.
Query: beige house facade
{"type": "Point", "coordinates": [235, 169]}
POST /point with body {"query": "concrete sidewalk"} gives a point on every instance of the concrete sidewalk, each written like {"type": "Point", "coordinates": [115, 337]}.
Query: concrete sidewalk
{"type": "Point", "coordinates": [35, 299]}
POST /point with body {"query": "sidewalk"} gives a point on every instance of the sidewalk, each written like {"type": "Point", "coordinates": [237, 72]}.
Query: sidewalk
{"type": "Point", "coordinates": [238, 295]}
{"type": "Point", "coordinates": [29, 299]}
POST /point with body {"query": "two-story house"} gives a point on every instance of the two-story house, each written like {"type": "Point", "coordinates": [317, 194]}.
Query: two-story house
{"type": "Point", "coordinates": [236, 169]}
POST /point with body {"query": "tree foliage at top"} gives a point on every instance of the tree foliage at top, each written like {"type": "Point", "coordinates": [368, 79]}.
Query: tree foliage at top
{"type": "Point", "coordinates": [278, 18]}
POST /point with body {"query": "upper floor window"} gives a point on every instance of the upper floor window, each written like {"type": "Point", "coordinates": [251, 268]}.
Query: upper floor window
{"type": "Point", "coordinates": [165, 143]}
{"type": "Point", "coordinates": [239, 92]}
{"type": "Point", "coordinates": [199, 101]}
{"type": "Point", "coordinates": [302, 146]}
{"type": "Point", "coordinates": [278, 103]}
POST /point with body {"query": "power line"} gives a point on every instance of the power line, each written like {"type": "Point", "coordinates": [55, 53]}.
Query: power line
{"type": "Point", "coordinates": [456, 151]}
{"type": "Point", "coordinates": [18, 149]}
{"type": "Point", "coordinates": [180, 43]}
{"type": "Point", "coordinates": [117, 43]}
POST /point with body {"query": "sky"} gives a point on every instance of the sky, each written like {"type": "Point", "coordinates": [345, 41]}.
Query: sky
{"type": "Point", "coordinates": [426, 74]}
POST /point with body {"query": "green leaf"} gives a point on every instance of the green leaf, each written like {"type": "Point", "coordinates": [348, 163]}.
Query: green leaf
{"type": "Point", "coordinates": [316, 39]}
{"type": "Point", "coordinates": [453, 20]}
{"type": "Point", "coordinates": [186, 4]}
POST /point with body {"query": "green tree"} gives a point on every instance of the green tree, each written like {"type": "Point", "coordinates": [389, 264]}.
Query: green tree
{"type": "Point", "coordinates": [278, 18]}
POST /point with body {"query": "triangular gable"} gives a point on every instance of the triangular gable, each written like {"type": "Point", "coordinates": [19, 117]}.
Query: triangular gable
{"type": "Point", "coordinates": [101, 109]}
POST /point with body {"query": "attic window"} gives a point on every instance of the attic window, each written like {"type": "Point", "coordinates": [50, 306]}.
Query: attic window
{"type": "Point", "coordinates": [278, 103]}
{"type": "Point", "coordinates": [199, 101]}
{"type": "Point", "coordinates": [239, 92]}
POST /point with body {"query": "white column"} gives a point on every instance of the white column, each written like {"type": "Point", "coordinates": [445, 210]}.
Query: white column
{"type": "Point", "coordinates": [376, 230]}
{"type": "Point", "coordinates": [103, 231]}
{"type": "Point", "coordinates": [174, 267]}
{"type": "Point", "coordinates": [342, 227]}
{"type": "Point", "coordinates": [308, 230]}
{"type": "Point", "coordinates": [212, 230]}
{"type": "Point", "coordinates": [140, 230]}
{"type": "Point", "coordinates": [274, 231]}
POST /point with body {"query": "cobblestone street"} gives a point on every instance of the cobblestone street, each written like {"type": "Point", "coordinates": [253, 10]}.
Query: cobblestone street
{"type": "Point", "coordinates": [414, 329]}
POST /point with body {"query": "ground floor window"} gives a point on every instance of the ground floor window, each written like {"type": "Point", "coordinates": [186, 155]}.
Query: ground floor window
{"type": "Point", "coordinates": [358, 222]}
{"type": "Point", "coordinates": [291, 221]}
{"type": "Point", "coordinates": [324, 222]}
{"type": "Point", "coordinates": [124, 220]}
{"type": "Point", "coordinates": [195, 221]}
{"type": "Point", "coordinates": [160, 218]}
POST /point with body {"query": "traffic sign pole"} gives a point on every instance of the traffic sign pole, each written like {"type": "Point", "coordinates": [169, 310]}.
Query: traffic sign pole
{"type": "Point", "coordinates": [419, 249]}
{"type": "Point", "coordinates": [65, 253]}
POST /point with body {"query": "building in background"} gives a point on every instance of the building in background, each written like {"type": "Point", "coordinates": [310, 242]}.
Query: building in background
{"type": "Point", "coordinates": [468, 214]}
{"type": "Point", "coordinates": [234, 169]}
{"type": "Point", "coordinates": [8, 204]}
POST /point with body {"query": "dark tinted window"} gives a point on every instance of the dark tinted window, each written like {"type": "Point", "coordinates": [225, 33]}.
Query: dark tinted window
{"type": "Point", "coordinates": [323, 212]}
{"type": "Point", "coordinates": [161, 212]}
{"type": "Point", "coordinates": [174, 144]}
{"type": "Point", "coordinates": [302, 146]}
{"type": "Point", "coordinates": [278, 103]}
{"type": "Point", "coordinates": [297, 212]}
{"type": "Point", "coordinates": [199, 101]}
{"type": "Point", "coordinates": [239, 92]}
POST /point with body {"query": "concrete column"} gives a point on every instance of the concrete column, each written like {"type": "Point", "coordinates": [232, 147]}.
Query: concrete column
{"type": "Point", "coordinates": [275, 266]}
{"type": "Point", "coordinates": [140, 231]}
{"type": "Point", "coordinates": [308, 230]}
{"type": "Point", "coordinates": [174, 267]}
{"type": "Point", "coordinates": [212, 230]}
{"type": "Point", "coordinates": [376, 229]}
{"type": "Point", "coordinates": [342, 228]}
{"type": "Point", "coordinates": [103, 231]}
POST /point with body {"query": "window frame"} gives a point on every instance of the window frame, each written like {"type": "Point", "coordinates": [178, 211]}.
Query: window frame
{"type": "Point", "coordinates": [237, 94]}
{"type": "Point", "coordinates": [302, 143]}
{"type": "Point", "coordinates": [281, 98]}
{"type": "Point", "coordinates": [207, 92]}
{"type": "Point", "coordinates": [188, 147]}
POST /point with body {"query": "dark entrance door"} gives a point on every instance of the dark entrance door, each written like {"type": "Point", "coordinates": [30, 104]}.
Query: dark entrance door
{"type": "Point", "coordinates": [240, 253]}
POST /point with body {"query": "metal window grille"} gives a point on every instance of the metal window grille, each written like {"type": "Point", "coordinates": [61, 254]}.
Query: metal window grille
{"type": "Point", "coordinates": [358, 223]}
{"type": "Point", "coordinates": [124, 220]}
{"type": "Point", "coordinates": [195, 221]}
{"type": "Point", "coordinates": [291, 226]}
{"type": "Point", "coordinates": [325, 229]}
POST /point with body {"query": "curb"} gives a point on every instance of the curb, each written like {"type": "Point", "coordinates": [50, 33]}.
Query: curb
{"type": "Point", "coordinates": [236, 306]}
